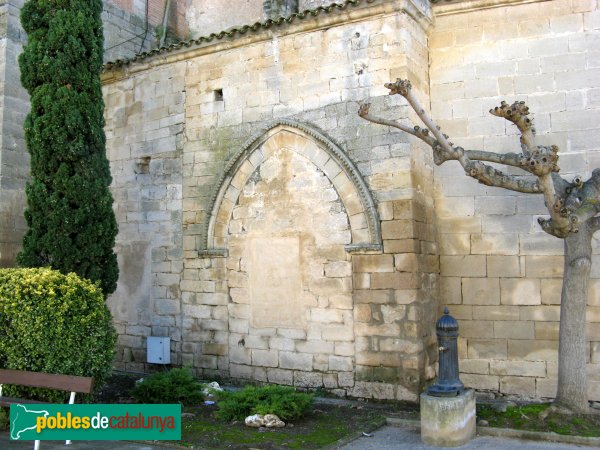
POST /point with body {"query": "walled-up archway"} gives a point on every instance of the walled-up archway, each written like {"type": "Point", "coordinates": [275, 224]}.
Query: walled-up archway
{"type": "Point", "coordinates": [288, 213]}
{"type": "Point", "coordinates": [324, 154]}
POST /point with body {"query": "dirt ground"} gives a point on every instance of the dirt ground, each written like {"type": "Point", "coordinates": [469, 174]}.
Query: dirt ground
{"type": "Point", "coordinates": [328, 421]}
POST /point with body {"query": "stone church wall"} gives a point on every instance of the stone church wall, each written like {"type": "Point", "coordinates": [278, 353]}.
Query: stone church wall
{"type": "Point", "coordinates": [126, 32]}
{"type": "Point", "coordinates": [14, 159]}
{"type": "Point", "coordinates": [501, 275]}
{"type": "Point", "coordinates": [266, 187]}
{"type": "Point", "coordinates": [144, 130]}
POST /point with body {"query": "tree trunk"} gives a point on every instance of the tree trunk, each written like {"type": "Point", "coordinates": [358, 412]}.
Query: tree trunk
{"type": "Point", "coordinates": [572, 379]}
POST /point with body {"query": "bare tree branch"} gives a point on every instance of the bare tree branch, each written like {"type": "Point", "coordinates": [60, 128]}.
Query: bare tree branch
{"type": "Point", "coordinates": [562, 189]}
{"type": "Point", "coordinates": [421, 133]}
{"type": "Point", "coordinates": [594, 224]}
{"type": "Point", "coordinates": [554, 203]}
{"type": "Point", "coordinates": [574, 209]}
{"type": "Point", "coordinates": [517, 113]}
{"type": "Point", "coordinates": [583, 203]}
{"type": "Point", "coordinates": [490, 176]}
{"type": "Point", "coordinates": [508, 159]}
{"type": "Point", "coordinates": [577, 203]}
{"type": "Point", "coordinates": [560, 185]}
{"type": "Point", "coordinates": [404, 88]}
{"type": "Point", "coordinates": [444, 150]}
{"type": "Point", "coordinates": [540, 161]}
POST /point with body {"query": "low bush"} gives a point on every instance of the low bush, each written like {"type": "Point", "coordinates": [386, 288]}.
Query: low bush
{"type": "Point", "coordinates": [4, 419]}
{"type": "Point", "coordinates": [282, 401]}
{"type": "Point", "coordinates": [53, 323]}
{"type": "Point", "coordinates": [174, 386]}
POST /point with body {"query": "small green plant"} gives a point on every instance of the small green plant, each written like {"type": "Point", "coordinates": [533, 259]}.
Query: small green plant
{"type": "Point", "coordinates": [282, 401]}
{"type": "Point", "coordinates": [174, 386]}
{"type": "Point", "coordinates": [159, 31]}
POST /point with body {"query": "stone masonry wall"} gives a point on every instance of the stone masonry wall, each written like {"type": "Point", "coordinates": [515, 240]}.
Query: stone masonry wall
{"type": "Point", "coordinates": [380, 344]}
{"type": "Point", "coordinates": [312, 4]}
{"type": "Point", "coordinates": [290, 278]}
{"type": "Point", "coordinates": [208, 16]}
{"type": "Point", "coordinates": [501, 275]}
{"type": "Point", "coordinates": [14, 159]}
{"type": "Point", "coordinates": [125, 32]}
{"type": "Point", "coordinates": [266, 82]}
{"type": "Point", "coordinates": [144, 130]}
{"type": "Point", "coordinates": [175, 123]}
{"type": "Point", "coordinates": [132, 26]}
{"type": "Point", "coordinates": [124, 29]}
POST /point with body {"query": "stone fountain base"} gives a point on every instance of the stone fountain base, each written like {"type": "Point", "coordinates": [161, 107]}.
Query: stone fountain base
{"type": "Point", "coordinates": [448, 421]}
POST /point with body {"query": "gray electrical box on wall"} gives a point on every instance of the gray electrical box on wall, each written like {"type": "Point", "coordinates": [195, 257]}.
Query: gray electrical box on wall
{"type": "Point", "coordinates": [159, 350]}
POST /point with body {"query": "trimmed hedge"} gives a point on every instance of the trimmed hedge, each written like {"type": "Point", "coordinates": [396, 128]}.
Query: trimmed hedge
{"type": "Point", "coordinates": [54, 323]}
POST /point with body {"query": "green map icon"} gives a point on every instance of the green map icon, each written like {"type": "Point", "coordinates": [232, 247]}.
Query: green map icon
{"type": "Point", "coordinates": [24, 419]}
{"type": "Point", "coordinates": [48, 422]}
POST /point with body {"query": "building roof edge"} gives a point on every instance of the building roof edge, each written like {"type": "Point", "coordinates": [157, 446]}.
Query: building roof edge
{"type": "Point", "coordinates": [238, 31]}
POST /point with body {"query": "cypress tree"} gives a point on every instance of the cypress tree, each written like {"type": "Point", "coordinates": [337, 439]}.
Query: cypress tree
{"type": "Point", "coordinates": [72, 226]}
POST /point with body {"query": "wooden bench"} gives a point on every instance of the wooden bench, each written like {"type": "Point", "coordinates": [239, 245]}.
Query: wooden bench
{"type": "Point", "coordinates": [69, 383]}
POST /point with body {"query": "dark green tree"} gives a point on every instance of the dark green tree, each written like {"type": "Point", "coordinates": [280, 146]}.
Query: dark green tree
{"type": "Point", "coordinates": [72, 226]}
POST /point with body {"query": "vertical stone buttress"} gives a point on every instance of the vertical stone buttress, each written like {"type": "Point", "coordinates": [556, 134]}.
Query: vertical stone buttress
{"type": "Point", "coordinates": [14, 159]}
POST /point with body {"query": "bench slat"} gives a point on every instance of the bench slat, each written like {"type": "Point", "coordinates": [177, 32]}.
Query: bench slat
{"type": "Point", "coordinates": [7, 401]}
{"type": "Point", "coordinates": [70, 383]}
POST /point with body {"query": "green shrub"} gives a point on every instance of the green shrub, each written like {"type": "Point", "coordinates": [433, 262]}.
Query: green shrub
{"type": "Point", "coordinates": [54, 323]}
{"type": "Point", "coordinates": [174, 386]}
{"type": "Point", "coordinates": [4, 419]}
{"type": "Point", "coordinates": [282, 401]}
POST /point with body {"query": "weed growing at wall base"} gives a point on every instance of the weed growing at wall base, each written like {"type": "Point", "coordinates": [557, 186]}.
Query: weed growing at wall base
{"type": "Point", "coordinates": [282, 401]}
{"type": "Point", "coordinates": [176, 386]}
{"type": "Point", "coordinates": [538, 417]}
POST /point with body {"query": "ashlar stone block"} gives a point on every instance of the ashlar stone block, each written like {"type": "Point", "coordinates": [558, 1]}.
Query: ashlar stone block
{"type": "Point", "coordinates": [481, 291]}
{"type": "Point", "coordinates": [448, 421]}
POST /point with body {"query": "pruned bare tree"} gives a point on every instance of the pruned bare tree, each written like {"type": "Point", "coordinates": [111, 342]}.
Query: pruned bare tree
{"type": "Point", "coordinates": [573, 206]}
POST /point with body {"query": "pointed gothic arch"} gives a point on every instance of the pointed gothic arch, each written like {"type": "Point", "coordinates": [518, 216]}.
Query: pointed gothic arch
{"type": "Point", "coordinates": [327, 157]}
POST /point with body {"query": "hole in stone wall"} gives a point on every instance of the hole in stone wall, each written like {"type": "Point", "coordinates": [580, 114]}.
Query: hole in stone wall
{"type": "Point", "coordinates": [218, 95]}
{"type": "Point", "coordinates": [142, 165]}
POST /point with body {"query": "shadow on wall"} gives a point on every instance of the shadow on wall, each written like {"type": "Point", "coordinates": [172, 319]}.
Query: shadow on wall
{"type": "Point", "coordinates": [133, 292]}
